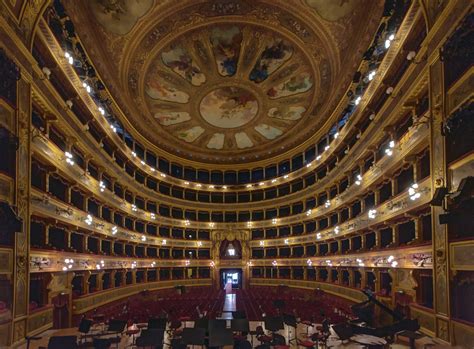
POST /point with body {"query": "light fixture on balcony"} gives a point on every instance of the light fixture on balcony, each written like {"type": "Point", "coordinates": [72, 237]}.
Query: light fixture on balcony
{"type": "Point", "coordinates": [102, 186]}
{"type": "Point", "coordinates": [308, 164]}
{"type": "Point", "coordinates": [249, 263]}
{"type": "Point", "coordinates": [187, 222]}
{"type": "Point", "coordinates": [327, 147]}
{"type": "Point", "coordinates": [212, 264]}
{"type": "Point", "coordinates": [274, 180]}
{"type": "Point", "coordinates": [211, 187]}
{"type": "Point", "coordinates": [101, 111]}
{"type": "Point", "coordinates": [134, 264]}
{"type": "Point", "coordinates": [413, 192]}
{"type": "Point", "coordinates": [274, 221]}
{"type": "Point", "coordinates": [336, 135]}
{"type": "Point", "coordinates": [389, 149]}
{"type": "Point", "coordinates": [199, 185]}
{"type": "Point", "coordinates": [371, 75]}
{"type": "Point", "coordinates": [249, 224]}
{"type": "Point", "coordinates": [163, 175]}
{"type": "Point", "coordinates": [69, 158]}
{"type": "Point", "coordinates": [327, 204]}
{"type": "Point", "coordinates": [163, 242]}
{"type": "Point", "coordinates": [69, 58]}
{"type": "Point", "coordinates": [248, 186]}
{"type": "Point", "coordinates": [372, 213]}
{"type": "Point", "coordinates": [336, 230]}
{"type": "Point", "coordinates": [97, 266]}
{"type": "Point", "coordinates": [274, 263]}
{"type": "Point", "coordinates": [142, 162]}
{"type": "Point", "coordinates": [114, 129]}
{"type": "Point", "coordinates": [358, 180]}
{"type": "Point", "coordinates": [186, 183]}
{"type": "Point", "coordinates": [224, 187]}
{"type": "Point", "coordinates": [143, 238]}
{"type": "Point", "coordinates": [134, 208]}
{"type": "Point", "coordinates": [88, 219]}
{"type": "Point", "coordinates": [187, 262]}
{"type": "Point", "coordinates": [318, 236]}
{"type": "Point", "coordinates": [152, 169]}
{"type": "Point", "coordinates": [318, 157]}
{"type": "Point", "coordinates": [309, 262]}
{"type": "Point", "coordinates": [87, 87]}
{"type": "Point", "coordinates": [199, 243]}
{"type": "Point", "coordinates": [285, 176]}
{"type": "Point", "coordinates": [357, 100]}
{"type": "Point", "coordinates": [153, 264]}
{"type": "Point", "coordinates": [134, 154]}
{"type": "Point", "coordinates": [308, 213]}
{"type": "Point", "coordinates": [212, 224]}
{"type": "Point", "coordinates": [152, 215]}
{"type": "Point", "coordinates": [286, 241]}
{"type": "Point", "coordinates": [262, 243]}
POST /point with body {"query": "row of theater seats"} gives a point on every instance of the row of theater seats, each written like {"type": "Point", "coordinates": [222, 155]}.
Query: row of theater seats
{"type": "Point", "coordinates": [175, 304]}
{"type": "Point", "coordinates": [307, 305]}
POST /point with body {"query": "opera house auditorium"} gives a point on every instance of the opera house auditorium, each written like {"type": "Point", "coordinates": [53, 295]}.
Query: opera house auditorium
{"type": "Point", "coordinates": [238, 174]}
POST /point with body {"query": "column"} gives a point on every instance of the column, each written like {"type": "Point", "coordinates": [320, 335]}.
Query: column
{"type": "Point", "coordinates": [378, 239]}
{"type": "Point", "coordinates": [100, 280]}
{"type": "Point", "coordinates": [395, 236]}
{"type": "Point", "coordinates": [112, 278]}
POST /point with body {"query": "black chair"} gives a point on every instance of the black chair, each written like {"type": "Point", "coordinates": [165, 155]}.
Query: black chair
{"type": "Point", "coordinates": [151, 338]}
{"type": "Point", "coordinates": [278, 339]}
{"type": "Point", "coordinates": [84, 328]}
{"type": "Point", "coordinates": [62, 342]}
{"type": "Point", "coordinates": [156, 323]}
{"type": "Point", "coordinates": [101, 343]}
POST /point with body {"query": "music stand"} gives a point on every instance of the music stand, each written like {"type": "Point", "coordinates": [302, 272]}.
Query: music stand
{"type": "Point", "coordinates": [61, 342]}
{"type": "Point", "coordinates": [274, 324]}
{"type": "Point", "coordinates": [239, 315]}
{"type": "Point", "coordinates": [215, 324]}
{"type": "Point", "coordinates": [117, 327]}
{"type": "Point", "coordinates": [219, 337]}
{"type": "Point", "coordinates": [156, 323]}
{"type": "Point", "coordinates": [343, 331]}
{"type": "Point", "coordinates": [290, 321]}
{"type": "Point", "coordinates": [193, 336]}
{"type": "Point", "coordinates": [201, 323]}
{"type": "Point", "coordinates": [240, 325]}
{"type": "Point", "coordinates": [84, 328]}
{"type": "Point", "coordinates": [151, 338]}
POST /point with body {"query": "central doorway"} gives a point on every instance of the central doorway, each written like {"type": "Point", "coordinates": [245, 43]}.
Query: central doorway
{"type": "Point", "coordinates": [231, 278]}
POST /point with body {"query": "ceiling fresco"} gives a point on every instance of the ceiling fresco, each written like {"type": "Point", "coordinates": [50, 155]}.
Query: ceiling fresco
{"type": "Point", "coordinates": [226, 81]}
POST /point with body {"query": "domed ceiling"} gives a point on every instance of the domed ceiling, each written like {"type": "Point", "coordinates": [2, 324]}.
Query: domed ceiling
{"type": "Point", "coordinates": [226, 82]}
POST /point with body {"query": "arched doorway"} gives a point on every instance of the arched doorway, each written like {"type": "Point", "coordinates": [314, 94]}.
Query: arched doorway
{"type": "Point", "coordinates": [230, 278]}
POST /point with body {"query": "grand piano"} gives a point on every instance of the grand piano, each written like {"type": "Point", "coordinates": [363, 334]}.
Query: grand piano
{"type": "Point", "coordinates": [368, 323]}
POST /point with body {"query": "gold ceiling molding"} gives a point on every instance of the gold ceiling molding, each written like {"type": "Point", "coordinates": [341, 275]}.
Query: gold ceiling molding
{"type": "Point", "coordinates": [322, 40]}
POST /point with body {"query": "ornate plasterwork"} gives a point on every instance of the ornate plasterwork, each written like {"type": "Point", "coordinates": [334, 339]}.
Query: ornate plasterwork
{"type": "Point", "coordinates": [221, 42]}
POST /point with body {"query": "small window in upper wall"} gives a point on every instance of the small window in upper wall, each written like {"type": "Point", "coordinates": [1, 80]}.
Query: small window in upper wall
{"type": "Point", "coordinates": [204, 197]}
{"type": "Point", "coordinates": [310, 203]}
{"type": "Point", "coordinates": [297, 162]}
{"type": "Point", "coordinates": [176, 171]}
{"type": "Point", "coordinates": [271, 172]}
{"type": "Point", "coordinates": [270, 193]}
{"type": "Point", "coordinates": [257, 174]}
{"type": "Point", "coordinates": [164, 188]}
{"type": "Point", "coordinates": [244, 196]}
{"type": "Point", "coordinates": [217, 217]}
{"type": "Point", "coordinates": [244, 216]}
{"type": "Point", "coordinates": [189, 174]}
{"type": "Point", "coordinates": [164, 211]}
{"type": "Point", "coordinates": [150, 159]}
{"type": "Point", "coordinates": [139, 151]}
{"type": "Point", "coordinates": [257, 215]}
{"type": "Point", "coordinates": [310, 154]}
{"type": "Point", "coordinates": [283, 168]}
{"type": "Point", "coordinates": [284, 211]}
{"type": "Point", "coordinates": [243, 176]}
{"type": "Point", "coordinates": [203, 176]}
{"type": "Point", "coordinates": [164, 165]}
{"type": "Point", "coordinates": [230, 177]}
{"type": "Point", "coordinates": [203, 216]}
{"type": "Point", "coordinates": [217, 177]}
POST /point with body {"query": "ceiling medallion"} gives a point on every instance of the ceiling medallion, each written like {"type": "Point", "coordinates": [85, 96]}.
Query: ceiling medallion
{"type": "Point", "coordinates": [224, 88]}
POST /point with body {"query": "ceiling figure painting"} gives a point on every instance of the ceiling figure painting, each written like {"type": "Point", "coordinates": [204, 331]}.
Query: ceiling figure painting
{"type": "Point", "coordinates": [119, 16]}
{"type": "Point", "coordinates": [226, 81]}
{"type": "Point", "coordinates": [226, 43]}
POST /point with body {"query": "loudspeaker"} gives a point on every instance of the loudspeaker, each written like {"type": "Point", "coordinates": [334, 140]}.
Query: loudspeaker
{"type": "Point", "coordinates": [444, 218]}
{"type": "Point", "coordinates": [343, 331]}
{"type": "Point", "coordinates": [438, 196]}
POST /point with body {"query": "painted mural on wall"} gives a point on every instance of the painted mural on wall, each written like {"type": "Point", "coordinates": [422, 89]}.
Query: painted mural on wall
{"type": "Point", "coordinates": [190, 135]}
{"type": "Point", "coordinates": [226, 43]}
{"type": "Point", "coordinates": [287, 112]}
{"type": "Point", "coordinates": [157, 89]}
{"type": "Point", "coordinates": [333, 10]}
{"type": "Point", "coordinates": [172, 118]}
